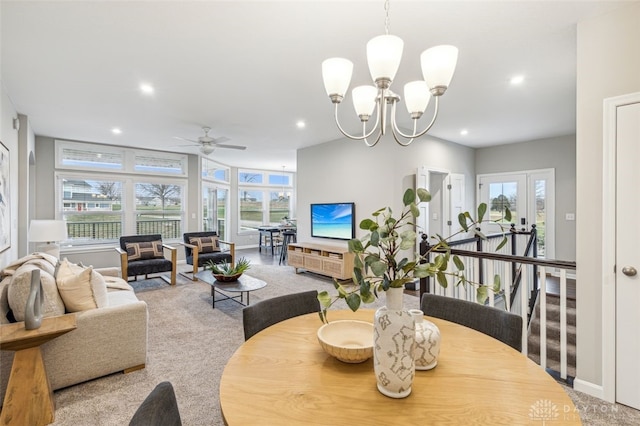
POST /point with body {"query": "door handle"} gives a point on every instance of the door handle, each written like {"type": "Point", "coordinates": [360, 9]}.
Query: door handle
{"type": "Point", "coordinates": [629, 271]}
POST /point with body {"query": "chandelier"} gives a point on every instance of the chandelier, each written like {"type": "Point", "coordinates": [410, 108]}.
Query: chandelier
{"type": "Point", "coordinates": [383, 56]}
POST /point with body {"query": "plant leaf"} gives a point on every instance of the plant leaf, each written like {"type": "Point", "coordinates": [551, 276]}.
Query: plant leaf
{"type": "Point", "coordinates": [502, 243]}
{"type": "Point", "coordinates": [482, 294]}
{"type": "Point", "coordinates": [496, 284]}
{"type": "Point", "coordinates": [367, 224]}
{"type": "Point", "coordinates": [482, 209]}
{"type": "Point", "coordinates": [355, 246]}
{"type": "Point", "coordinates": [409, 197]}
{"type": "Point", "coordinates": [442, 279]}
{"type": "Point", "coordinates": [423, 195]}
{"type": "Point", "coordinates": [458, 262]}
{"type": "Point", "coordinates": [463, 222]}
{"type": "Point", "coordinates": [507, 214]}
{"type": "Point", "coordinates": [324, 298]}
{"type": "Point", "coordinates": [378, 268]}
{"type": "Point", "coordinates": [415, 212]}
{"type": "Point", "coordinates": [353, 301]}
{"type": "Point", "coordinates": [375, 238]}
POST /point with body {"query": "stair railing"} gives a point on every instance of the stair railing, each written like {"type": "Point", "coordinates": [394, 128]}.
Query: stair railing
{"type": "Point", "coordinates": [522, 279]}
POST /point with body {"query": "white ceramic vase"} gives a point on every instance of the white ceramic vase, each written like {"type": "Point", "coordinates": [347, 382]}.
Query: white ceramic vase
{"type": "Point", "coordinates": [427, 344]}
{"type": "Point", "coordinates": [393, 346]}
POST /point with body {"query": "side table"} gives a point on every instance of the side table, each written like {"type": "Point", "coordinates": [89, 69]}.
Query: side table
{"type": "Point", "coordinates": [29, 399]}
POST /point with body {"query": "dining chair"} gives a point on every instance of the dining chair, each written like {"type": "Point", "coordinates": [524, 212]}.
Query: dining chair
{"type": "Point", "coordinates": [499, 324]}
{"type": "Point", "coordinates": [160, 408]}
{"type": "Point", "coordinates": [271, 311]}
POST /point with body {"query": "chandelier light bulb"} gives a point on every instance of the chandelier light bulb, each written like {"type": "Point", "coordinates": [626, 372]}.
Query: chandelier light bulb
{"type": "Point", "coordinates": [416, 97]}
{"type": "Point", "coordinates": [336, 73]}
{"type": "Point", "coordinates": [438, 65]}
{"type": "Point", "coordinates": [364, 101]}
{"type": "Point", "coordinates": [383, 56]}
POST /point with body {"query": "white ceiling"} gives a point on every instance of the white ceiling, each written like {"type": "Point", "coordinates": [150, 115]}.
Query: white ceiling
{"type": "Point", "coordinates": [251, 70]}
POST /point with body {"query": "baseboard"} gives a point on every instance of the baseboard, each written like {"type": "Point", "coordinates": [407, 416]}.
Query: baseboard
{"type": "Point", "coordinates": [589, 388]}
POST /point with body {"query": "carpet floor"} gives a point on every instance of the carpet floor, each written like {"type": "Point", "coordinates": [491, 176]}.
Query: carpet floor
{"type": "Point", "coordinates": [189, 344]}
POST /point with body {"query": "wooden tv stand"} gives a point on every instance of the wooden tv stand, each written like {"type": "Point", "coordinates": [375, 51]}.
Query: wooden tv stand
{"type": "Point", "coordinates": [335, 262]}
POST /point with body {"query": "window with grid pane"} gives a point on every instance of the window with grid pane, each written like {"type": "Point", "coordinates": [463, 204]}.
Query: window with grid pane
{"type": "Point", "coordinates": [159, 209]}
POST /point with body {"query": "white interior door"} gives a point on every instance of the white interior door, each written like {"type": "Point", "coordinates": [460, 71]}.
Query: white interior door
{"type": "Point", "coordinates": [440, 215]}
{"type": "Point", "coordinates": [627, 284]}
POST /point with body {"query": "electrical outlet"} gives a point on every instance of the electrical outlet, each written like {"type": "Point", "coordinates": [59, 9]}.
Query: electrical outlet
{"type": "Point", "coordinates": [570, 216]}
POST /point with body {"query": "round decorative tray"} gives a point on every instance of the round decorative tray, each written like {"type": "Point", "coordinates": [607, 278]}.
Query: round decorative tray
{"type": "Point", "coordinates": [227, 278]}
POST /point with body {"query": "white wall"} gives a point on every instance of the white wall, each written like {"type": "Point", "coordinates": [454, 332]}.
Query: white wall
{"type": "Point", "coordinates": [9, 137]}
{"type": "Point", "coordinates": [608, 65]}
{"type": "Point", "coordinates": [555, 153]}
{"type": "Point", "coordinates": [345, 170]}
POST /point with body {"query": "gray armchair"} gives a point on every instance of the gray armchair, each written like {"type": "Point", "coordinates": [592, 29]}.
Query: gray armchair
{"type": "Point", "coordinates": [202, 247]}
{"type": "Point", "coordinates": [144, 255]}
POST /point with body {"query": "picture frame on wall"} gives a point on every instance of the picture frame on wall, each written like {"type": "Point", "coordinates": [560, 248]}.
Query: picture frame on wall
{"type": "Point", "coordinates": [5, 199]}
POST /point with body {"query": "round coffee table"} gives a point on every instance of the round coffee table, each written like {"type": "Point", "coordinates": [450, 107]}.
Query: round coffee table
{"type": "Point", "coordinates": [244, 285]}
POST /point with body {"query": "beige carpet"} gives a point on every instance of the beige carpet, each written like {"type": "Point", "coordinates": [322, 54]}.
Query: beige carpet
{"type": "Point", "coordinates": [190, 343]}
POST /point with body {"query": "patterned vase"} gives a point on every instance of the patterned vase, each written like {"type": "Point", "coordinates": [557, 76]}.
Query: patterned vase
{"type": "Point", "coordinates": [394, 336]}
{"type": "Point", "coordinates": [35, 301]}
{"type": "Point", "coordinates": [427, 345]}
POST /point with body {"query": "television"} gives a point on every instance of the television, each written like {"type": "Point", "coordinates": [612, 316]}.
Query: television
{"type": "Point", "coordinates": [333, 220]}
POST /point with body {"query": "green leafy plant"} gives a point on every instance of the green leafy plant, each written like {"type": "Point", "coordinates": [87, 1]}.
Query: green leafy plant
{"type": "Point", "coordinates": [228, 269]}
{"type": "Point", "coordinates": [379, 265]}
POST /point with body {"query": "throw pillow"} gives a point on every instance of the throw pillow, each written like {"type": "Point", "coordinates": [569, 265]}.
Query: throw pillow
{"type": "Point", "coordinates": [20, 287]}
{"type": "Point", "coordinates": [205, 244]}
{"type": "Point", "coordinates": [81, 288]}
{"type": "Point", "coordinates": [144, 250]}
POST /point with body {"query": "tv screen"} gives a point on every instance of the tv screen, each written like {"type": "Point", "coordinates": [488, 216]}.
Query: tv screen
{"type": "Point", "coordinates": [333, 220]}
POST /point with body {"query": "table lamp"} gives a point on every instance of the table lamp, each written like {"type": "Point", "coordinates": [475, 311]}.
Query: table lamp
{"type": "Point", "coordinates": [49, 232]}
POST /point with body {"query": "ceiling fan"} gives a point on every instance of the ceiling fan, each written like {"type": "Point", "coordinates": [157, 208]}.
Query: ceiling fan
{"type": "Point", "coordinates": [208, 144]}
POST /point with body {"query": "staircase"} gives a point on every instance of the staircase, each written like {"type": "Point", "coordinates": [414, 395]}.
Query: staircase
{"type": "Point", "coordinates": [553, 334]}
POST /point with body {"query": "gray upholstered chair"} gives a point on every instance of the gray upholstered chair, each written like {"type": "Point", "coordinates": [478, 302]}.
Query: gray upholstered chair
{"type": "Point", "coordinates": [201, 247]}
{"type": "Point", "coordinates": [499, 324]}
{"type": "Point", "coordinates": [160, 408]}
{"type": "Point", "coordinates": [144, 255]}
{"type": "Point", "coordinates": [271, 311]}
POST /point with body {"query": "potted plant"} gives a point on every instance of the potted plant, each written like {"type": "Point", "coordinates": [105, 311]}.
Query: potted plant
{"type": "Point", "coordinates": [379, 265]}
{"type": "Point", "coordinates": [228, 271]}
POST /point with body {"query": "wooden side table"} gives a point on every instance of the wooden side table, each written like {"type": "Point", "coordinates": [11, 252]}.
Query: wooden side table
{"type": "Point", "coordinates": [29, 399]}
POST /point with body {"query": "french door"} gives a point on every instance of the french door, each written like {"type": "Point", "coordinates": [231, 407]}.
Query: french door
{"type": "Point", "coordinates": [214, 210]}
{"type": "Point", "coordinates": [529, 195]}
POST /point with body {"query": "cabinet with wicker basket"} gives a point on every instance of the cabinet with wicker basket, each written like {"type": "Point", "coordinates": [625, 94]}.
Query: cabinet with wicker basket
{"type": "Point", "coordinates": [335, 262]}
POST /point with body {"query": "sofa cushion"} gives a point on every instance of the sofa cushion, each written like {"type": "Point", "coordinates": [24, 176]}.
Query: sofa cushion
{"type": "Point", "coordinates": [81, 288]}
{"type": "Point", "coordinates": [205, 244]}
{"type": "Point", "coordinates": [144, 250]}
{"type": "Point", "coordinates": [20, 287]}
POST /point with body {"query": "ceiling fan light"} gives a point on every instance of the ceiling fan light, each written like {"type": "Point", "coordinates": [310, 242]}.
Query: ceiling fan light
{"type": "Point", "coordinates": [438, 65]}
{"type": "Point", "coordinates": [416, 96]}
{"type": "Point", "coordinates": [364, 100]}
{"type": "Point", "coordinates": [336, 73]}
{"type": "Point", "coordinates": [207, 149]}
{"type": "Point", "coordinates": [383, 56]}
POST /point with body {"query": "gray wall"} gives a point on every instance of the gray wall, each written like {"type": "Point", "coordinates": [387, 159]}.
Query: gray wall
{"type": "Point", "coordinates": [555, 153]}
{"type": "Point", "coordinates": [9, 137]}
{"type": "Point", "coordinates": [608, 65]}
{"type": "Point", "coordinates": [345, 170]}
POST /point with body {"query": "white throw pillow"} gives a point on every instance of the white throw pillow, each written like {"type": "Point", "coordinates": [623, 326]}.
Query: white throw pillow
{"type": "Point", "coordinates": [81, 288]}
{"type": "Point", "coordinates": [20, 287]}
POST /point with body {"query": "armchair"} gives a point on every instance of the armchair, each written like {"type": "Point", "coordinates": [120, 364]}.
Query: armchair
{"type": "Point", "coordinates": [144, 255]}
{"type": "Point", "coordinates": [201, 247]}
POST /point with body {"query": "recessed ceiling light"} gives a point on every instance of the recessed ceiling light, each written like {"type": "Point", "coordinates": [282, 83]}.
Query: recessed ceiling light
{"type": "Point", "coordinates": [464, 132]}
{"type": "Point", "coordinates": [116, 131]}
{"type": "Point", "coordinates": [301, 124]}
{"type": "Point", "coordinates": [146, 88]}
{"type": "Point", "coordinates": [517, 79]}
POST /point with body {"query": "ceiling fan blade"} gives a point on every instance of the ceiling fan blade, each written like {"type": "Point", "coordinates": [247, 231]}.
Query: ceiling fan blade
{"type": "Point", "coordinates": [219, 140]}
{"type": "Point", "coordinates": [185, 139]}
{"type": "Point", "coordinates": [231, 146]}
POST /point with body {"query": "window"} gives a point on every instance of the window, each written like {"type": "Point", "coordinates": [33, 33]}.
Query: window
{"type": "Point", "coordinates": [265, 198]}
{"type": "Point", "coordinates": [214, 171]}
{"type": "Point", "coordinates": [106, 192]}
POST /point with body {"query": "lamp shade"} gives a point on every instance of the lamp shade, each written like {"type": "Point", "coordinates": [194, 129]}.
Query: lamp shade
{"type": "Point", "coordinates": [364, 99]}
{"type": "Point", "coordinates": [383, 56]}
{"type": "Point", "coordinates": [336, 73]}
{"type": "Point", "coordinates": [438, 65]}
{"type": "Point", "coordinates": [47, 230]}
{"type": "Point", "coordinates": [416, 96]}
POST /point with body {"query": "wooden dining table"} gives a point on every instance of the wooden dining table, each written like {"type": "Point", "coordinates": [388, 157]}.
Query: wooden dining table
{"type": "Point", "coordinates": [281, 376]}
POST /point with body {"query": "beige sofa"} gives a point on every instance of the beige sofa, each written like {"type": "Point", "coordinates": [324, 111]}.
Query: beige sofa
{"type": "Point", "coordinates": [108, 339]}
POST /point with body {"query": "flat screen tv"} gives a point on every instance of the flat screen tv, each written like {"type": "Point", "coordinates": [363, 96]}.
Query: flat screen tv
{"type": "Point", "coordinates": [333, 220]}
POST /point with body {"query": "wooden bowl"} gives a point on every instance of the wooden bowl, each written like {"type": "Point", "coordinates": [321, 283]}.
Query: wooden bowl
{"type": "Point", "coordinates": [227, 278]}
{"type": "Point", "coordinates": [348, 340]}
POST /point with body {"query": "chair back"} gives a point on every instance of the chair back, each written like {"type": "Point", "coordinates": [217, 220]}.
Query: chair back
{"type": "Point", "coordinates": [160, 408]}
{"type": "Point", "coordinates": [188, 235]}
{"type": "Point", "coordinates": [138, 239]}
{"type": "Point", "coordinates": [499, 324]}
{"type": "Point", "coordinates": [271, 311]}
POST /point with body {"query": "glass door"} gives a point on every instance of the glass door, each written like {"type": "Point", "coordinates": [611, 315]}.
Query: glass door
{"type": "Point", "coordinates": [214, 210]}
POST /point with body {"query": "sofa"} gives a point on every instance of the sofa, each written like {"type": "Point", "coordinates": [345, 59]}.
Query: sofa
{"type": "Point", "coordinates": [111, 334]}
